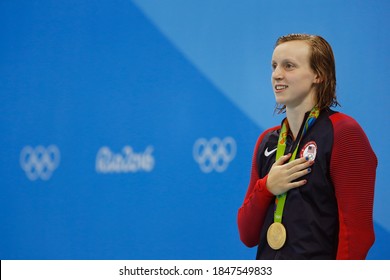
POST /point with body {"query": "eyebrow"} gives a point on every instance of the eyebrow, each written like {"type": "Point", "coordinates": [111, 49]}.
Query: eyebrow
{"type": "Point", "coordinates": [286, 60]}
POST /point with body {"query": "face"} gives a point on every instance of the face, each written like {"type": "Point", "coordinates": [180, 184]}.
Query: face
{"type": "Point", "coordinates": [292, 76]}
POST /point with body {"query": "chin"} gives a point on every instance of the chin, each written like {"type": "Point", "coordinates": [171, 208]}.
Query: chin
{"type": "Point", "coordinates": [280, 101]}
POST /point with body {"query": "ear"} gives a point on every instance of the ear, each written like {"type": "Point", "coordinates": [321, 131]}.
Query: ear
{"type": "Point", "coordinates": [318, 79]}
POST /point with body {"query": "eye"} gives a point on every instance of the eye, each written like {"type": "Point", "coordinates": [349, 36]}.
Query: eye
{"type": "Point", "coordinates": [273, 66]}
{"type": "Point", "coordinates": [289, 66]}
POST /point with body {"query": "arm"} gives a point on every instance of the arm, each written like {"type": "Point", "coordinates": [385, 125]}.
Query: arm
{"type": "Point", "coordinates": [352, 169]}
{"type": "Point", "coordinates": [257, 200]}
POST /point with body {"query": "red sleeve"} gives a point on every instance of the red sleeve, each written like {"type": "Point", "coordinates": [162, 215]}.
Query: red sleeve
{"type": "Point", "coordinates": [257, 199]}
{"type": "Point", "coordinates": [352, 169]}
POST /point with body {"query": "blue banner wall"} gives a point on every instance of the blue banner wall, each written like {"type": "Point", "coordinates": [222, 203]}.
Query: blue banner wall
{"type": "Point", "coordinates": [128, 126]}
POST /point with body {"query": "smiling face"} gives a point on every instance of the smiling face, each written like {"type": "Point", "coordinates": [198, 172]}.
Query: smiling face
{"type": "Point", "coordinates": [292, 77]}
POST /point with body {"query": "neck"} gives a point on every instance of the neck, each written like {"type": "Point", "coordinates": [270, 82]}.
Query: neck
{"type": "Point", "coordinates": [295, 118]}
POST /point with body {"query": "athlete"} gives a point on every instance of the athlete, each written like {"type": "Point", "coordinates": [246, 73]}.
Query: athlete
{"type": "Point", "coordinates": [311, 189]}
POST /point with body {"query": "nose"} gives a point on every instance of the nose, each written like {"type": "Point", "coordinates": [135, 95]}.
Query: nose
{"type": "Point", "coordinates": [277, 73]}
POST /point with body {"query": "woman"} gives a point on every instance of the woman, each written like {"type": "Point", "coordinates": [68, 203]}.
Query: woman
{"type": "Point", "coordinates": [311, 190]}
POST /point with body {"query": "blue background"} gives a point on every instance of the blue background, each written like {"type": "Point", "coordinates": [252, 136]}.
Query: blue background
{"type": "Point", "coordinates": [82, 75]}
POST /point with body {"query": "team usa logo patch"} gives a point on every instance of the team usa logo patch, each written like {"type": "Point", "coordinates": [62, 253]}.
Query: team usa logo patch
{"type": "Point", "coordinates": [309, 150]}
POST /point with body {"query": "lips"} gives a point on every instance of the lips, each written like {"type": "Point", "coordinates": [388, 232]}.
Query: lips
{"type": "Point", "coordinates": [280, 87]}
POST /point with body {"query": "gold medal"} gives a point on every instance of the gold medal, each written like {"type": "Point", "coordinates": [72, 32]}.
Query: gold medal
{"type": "Point", "coordinates": [276, 235]}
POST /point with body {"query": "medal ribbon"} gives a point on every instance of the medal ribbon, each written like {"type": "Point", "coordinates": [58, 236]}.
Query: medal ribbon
{"type": "Point", "coordinates": [281, 199]}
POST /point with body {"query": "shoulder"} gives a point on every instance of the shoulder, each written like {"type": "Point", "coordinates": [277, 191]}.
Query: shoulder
{"type": "Point", "coordinates": [264, 136]}
{"type": "Point", "coordinates": [349, 136]}
{"type": "Point", "coordinates": [344, 124]}
{"type": "Point", "coordinates": [270, 130]}
{"type": "Point", "coordinates": [340, 118]}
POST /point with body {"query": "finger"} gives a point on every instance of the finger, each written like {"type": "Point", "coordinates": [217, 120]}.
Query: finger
{"type": "Point", "coordinates": [299, 174]}
{"type": "Point", "coordinates": [297, 184]}
{"type": "Point", "coordinates": [283, 159]}
{"type": "Point", "coordinates": [300, 166]}
{"type": "Point", "coordinates": [299, 163]}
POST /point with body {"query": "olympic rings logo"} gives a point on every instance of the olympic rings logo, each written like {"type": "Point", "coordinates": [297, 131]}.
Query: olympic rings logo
{"type": "Point", "coordinates": [214, 154]}
{"type": "Point", "coordinates": [39, 162]}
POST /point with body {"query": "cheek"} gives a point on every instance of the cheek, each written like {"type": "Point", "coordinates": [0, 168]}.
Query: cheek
{"type": "Point", "coordinates": [304, 80]}
{"type": "Point", "coordinates": [301, 85]}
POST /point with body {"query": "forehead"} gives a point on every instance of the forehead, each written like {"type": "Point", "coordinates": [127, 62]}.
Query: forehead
{"type": "Point", "coordinates": [294, 50]}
